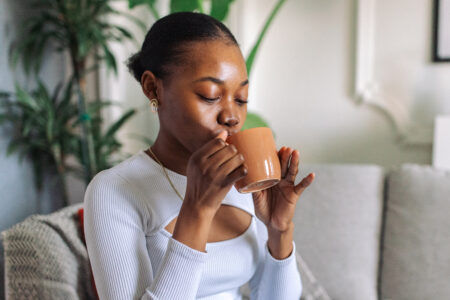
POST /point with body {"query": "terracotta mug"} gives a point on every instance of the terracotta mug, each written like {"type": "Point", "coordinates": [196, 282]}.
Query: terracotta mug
{"type": "Point", "coordinates": [261, 157]}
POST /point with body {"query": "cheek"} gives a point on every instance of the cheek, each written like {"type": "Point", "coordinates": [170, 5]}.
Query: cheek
{"type": "Point", "coordinates": [195, 113]}
{"type": "Point", "coordinates": [202, 119]}
{"type": "Point", "coordinates": [199, 128]}
{"type": "Point", "coordinates": [192, 122]}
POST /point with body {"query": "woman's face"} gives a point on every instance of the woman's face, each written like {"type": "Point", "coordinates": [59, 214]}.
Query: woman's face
{"type": "Point", "coordinates": [205, 95]}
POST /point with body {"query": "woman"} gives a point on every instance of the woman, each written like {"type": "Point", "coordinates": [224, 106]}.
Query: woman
{"type": "Point", "coordinates": [167, 223]}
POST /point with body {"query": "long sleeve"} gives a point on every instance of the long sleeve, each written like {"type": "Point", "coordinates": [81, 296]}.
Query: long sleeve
{"type": "Point", "coordinates": [115, 227]}
{"type": "Point", "coordinates": [275, 279]}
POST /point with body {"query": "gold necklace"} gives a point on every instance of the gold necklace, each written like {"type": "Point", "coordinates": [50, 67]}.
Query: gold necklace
{"type": "Point", "coordinates": [165, 173]}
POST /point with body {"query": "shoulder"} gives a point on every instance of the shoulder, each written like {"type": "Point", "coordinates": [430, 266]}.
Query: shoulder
{"type": "Point", "coordinates": [112, 183]}
{"type": "Point", "coordinates": [136, 187]}
{"type": "Point", "coordinates": [112, 193]}
{"type": "Point", "coordinates": [126, 178]}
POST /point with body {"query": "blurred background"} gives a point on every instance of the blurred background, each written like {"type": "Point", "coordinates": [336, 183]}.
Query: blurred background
{"type": "Point", "coordinates": [347, 81]}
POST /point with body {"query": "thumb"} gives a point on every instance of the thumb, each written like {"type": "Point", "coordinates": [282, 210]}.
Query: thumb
{"type": "Point", "coordinates": [222, 135]}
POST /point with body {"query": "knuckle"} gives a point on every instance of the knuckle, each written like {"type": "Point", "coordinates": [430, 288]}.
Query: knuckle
{"type": "Point", "coordinates": [201, 160]}
{"type": "Point", "coordinates": [196, 158]}
{"type": "Point", "coordinates": [223, 182]}
{"type": "Point", "coordinates": [219, 142]}
{"type": "Point", "coordinates": [193, 156]}
{"type": "Point", "coordinates": [204, 171]}
{"type": "Point", "coordinates": [232, 148]}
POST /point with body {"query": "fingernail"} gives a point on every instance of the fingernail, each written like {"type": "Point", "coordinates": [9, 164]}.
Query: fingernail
{"type": "Point", "coordinates": [223, 135]}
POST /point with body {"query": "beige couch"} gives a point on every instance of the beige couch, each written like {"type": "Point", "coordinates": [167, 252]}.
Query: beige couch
{"type": "Point", "coordinates": [368, 233]}
{"type": "Point", "coordinates": [363, 233]}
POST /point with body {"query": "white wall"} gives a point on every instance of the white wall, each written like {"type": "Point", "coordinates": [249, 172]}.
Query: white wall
{"type": "Point", "coordinates": [124, 89]}
{"type": "Point", "coordinates": [303, 79]}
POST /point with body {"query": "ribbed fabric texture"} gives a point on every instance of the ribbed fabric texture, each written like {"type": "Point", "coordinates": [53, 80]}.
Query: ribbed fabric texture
{"type": "Point", "coordinates": [180, 264]}
{"type": "Point", "coordinates": [133, 257]}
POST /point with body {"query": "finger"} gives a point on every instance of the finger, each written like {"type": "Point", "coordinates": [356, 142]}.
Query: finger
{"type": "Point", "coordinates": [299, 188]}
{"type": "Point", "coordinates": [293, 167]}
{"type": "Point", "coordinates": [232, 164]}
{"type": "Point", "coordinates": [221, 156]}
{"type": "Point", "coordinates": [236, 174]}
{"type": "Point", "coordinates": [284, 161]}
{"type": "Point", "coordinates": [212, 146]}
{"type": "Point", "coordinates": [280, 154]}
{"type": "Point", "coordinates": [222, 135]}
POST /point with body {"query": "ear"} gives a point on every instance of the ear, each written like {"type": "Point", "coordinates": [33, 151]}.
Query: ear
{"type": "Point", "coordinates": [150, 85]}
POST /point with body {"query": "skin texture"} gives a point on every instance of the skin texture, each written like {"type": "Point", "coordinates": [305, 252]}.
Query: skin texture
{"type": "Point", "coordinates": [203, 102]}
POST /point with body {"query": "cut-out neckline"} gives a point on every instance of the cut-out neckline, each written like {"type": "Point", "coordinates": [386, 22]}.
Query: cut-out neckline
{"type": "Point", "coordinates": [219, 243]}
{"type": "Point", "coordinates": [178, 177]}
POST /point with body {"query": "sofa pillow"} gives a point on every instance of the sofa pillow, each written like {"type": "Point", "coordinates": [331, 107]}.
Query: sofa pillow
{"type": "Point", "coordinates": [80, 214]}
{"type": "Point", "coordinates": [416, 246]}
{"type": "Point", "coordinates": [45, 258]}
{"type": "Point", "coordinates": [312, 289]}
{"type": "Point", "coordinates": [338, 227]}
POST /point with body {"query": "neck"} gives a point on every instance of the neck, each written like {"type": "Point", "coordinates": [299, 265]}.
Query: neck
{"type": "Point", "coordinates": [171, 153]}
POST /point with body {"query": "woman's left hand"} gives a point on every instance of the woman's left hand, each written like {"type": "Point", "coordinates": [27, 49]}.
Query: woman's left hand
{"type": "Point", "coordinates": [275, 206]}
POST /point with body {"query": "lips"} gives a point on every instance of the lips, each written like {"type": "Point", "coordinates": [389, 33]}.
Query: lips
{"type": "Point", "coordinates": [230, 133]}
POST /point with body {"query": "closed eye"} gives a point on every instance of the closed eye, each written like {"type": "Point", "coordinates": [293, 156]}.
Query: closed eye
{"type": "Point", "coordinates": [208, 99]}
{"type": "Point", "coordinates": [211, 100]}
{"type": "Point", "coordinates": [241, 102]}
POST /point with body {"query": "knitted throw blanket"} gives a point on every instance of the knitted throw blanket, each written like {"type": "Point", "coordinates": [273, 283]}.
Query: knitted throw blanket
{"type": "Point", "coordinates": [45, 258]}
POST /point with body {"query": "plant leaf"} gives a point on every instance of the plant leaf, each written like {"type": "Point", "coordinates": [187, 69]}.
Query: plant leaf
{"type": "Point", "coordinates": [95, 107]}
{"type": "Point", "coordinates": [136, 20]}
{"type": "Point", "coordinates": [24, 98]}
{"type": "Point", "coordinates": [220, 8]}
{"type": "Point", "coordinates": [110, 59]}
{"type": "Point", "coordinates": [118, 124]}
{"type": "Point", "coordinates": [3, 118]}
{"type": "Point", "coordinates": [253, 120]}
{"type": "Point", "coordinates": [252, 55]}
{"type": "Point", "coordinates": [183, 5]}
{"type": "Point", "coordinates": [133, 3]}
{"type": "Point", "coordinates": [14, 145]}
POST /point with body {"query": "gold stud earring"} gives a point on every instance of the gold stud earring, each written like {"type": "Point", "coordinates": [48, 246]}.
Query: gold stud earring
{"type": "Point", "coordinates": [154, 105]}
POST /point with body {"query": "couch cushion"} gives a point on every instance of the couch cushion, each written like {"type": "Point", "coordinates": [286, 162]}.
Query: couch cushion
{"type": "Point", "coordinates": [416, 246]}
{"type": "Point", "coordinates": [338, 225]}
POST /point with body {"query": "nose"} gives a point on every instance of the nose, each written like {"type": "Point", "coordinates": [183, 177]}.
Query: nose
{"type": "Point", "coordinates": [228, 115]}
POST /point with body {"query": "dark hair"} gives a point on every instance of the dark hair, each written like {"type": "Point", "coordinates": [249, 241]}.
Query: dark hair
{"type": "Point", "coordinates": [163, 43]}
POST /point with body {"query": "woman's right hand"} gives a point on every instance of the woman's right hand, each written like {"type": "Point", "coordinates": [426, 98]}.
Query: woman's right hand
{"type": "Point", "coordinates": [211, 172]}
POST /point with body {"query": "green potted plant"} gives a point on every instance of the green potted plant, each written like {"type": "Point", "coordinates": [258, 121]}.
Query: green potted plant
{"type": "Point", "coordinates": [81, 29]}
{"type": "Point", "coordinates": [42, 128]}
{"type": "Point", "coordinates": [45, 129]}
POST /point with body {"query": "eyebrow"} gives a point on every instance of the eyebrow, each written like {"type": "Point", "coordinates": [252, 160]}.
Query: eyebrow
{"type": "Point", "coordinates": [218, 81]}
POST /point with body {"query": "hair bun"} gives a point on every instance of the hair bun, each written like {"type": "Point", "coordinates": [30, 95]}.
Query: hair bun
{"type": "Point", "coordinates": [135, 67]}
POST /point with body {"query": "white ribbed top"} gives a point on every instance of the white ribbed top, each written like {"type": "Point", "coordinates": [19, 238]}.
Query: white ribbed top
{"type": "Point", "coordinates": [134, 257]}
